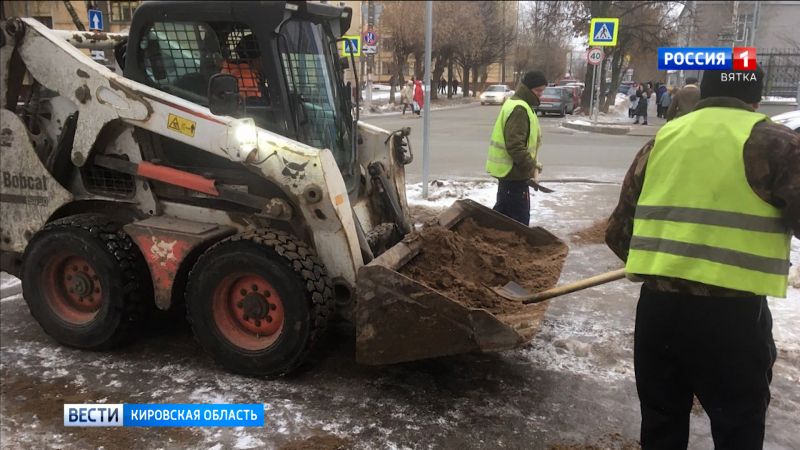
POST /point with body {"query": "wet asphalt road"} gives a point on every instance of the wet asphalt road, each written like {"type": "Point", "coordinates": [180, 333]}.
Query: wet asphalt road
{"type": "Point", "coordinates": [460, 138]}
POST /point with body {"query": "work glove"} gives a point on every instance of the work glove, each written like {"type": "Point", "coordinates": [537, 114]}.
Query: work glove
{"type": "Point", "coordinates": [536, 172]}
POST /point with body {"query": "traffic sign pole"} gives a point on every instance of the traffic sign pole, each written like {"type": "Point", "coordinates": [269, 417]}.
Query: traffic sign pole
{"type": "Point", "coordinates": [426, 124]}
{"type": "Point", "coordinates": [595, 57]}
{"type": "Point", "coordinates": [596, 92]}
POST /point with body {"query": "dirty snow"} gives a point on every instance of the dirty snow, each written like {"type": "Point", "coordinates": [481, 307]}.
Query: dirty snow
{"type": "Point", "coordinates": [790, 100]}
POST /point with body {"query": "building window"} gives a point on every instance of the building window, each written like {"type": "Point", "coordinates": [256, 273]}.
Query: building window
{"type": "Point", "coordinates": [122, 11]}
{"type": "Point", "coordinates": [743, 27]}
{"type": "Point", "coordinates": [45, 20]}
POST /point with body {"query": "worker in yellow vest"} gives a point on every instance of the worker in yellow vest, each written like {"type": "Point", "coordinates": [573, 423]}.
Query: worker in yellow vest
{"type": "Point", "coordinates": [704, 219]}
{"type": "Point", "coordinates": [513, 148]}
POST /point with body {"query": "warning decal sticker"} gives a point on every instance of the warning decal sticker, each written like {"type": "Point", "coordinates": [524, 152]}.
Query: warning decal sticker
{"type": "Point", "coordinates": [181, 125]}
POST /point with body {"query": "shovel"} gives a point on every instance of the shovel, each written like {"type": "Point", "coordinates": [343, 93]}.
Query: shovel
{"type": "Point", "coordinates": [513, 291]}
{"type": "Point", "coordinates": [538, 187]}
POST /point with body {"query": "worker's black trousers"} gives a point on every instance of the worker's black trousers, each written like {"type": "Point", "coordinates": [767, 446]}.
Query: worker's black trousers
{"type": "Point", "coordinates": [514, 200]}
{"type": "Point", "coordinates": [719, 349]}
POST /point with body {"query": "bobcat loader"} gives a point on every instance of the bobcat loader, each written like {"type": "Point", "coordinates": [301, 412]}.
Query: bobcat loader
{"type": "Point", "coordinates": [220, 169]}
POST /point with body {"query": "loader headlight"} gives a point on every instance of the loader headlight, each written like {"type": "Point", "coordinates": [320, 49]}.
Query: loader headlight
{"type": "Point", "coordinates": [242, 137]}
{"type": "Point", "coordinates": [246, 134]}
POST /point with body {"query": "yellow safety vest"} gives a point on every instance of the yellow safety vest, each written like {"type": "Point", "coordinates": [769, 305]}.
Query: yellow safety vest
{"type": "Point", "coordinates": [499, 162]}
{"type": "Point", "coordinates": [697, 217]}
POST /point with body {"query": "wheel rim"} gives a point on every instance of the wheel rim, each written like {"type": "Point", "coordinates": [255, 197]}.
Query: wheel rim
{"type": "Point", "coordinates": [73, 288]}
{"type": "Point", "coordinates": [248, 311]}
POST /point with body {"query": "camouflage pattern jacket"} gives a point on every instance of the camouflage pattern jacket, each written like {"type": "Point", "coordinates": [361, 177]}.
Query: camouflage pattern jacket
{"type": "Point", "coordinates": [772, 166]}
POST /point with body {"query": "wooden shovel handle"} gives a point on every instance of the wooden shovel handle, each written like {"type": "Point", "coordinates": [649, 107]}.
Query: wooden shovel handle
{"type": "Point", "coordinates": [576, 286]}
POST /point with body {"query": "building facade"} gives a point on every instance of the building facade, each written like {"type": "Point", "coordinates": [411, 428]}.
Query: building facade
{"type": "Point", "coordinates": [116, 14]}
{"type": "Point", "coordinates": [769, 26]}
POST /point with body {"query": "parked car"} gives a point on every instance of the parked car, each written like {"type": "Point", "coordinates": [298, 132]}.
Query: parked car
{"type": "Point", "coordinates": [566, 81]}
{"type": "Point", "coordinates": [576, 91]}
{"type": "Point", "coordinates": [556, 100]}
{"type": "Point", "coordinates": [791, 119]}
{"type": "Point", "coordinates": [496, 94]}
{"type": "Point", "coordinates": [624, 87]}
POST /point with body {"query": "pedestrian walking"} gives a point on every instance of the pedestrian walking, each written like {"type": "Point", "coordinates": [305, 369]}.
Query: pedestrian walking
{"type": "Point", "coordinates": [514, 146]}
{"type": "Point", "coordinates": [642, 95]}
{"type": "Point", "coordinates": [634, 100]}
{"type": "Point", "coordinates": [407, 96]}
{"type": "Point", "coordinates": [704, 219]}
{"type": "Point", "coordinates": [660, 91]}
{"type": "Point", "coordinates": [455, 86]}
{"type": "Point", "coordinates": [685, 100]}
{"type": "Point", "coordinates": [442, 86]}
{"type": "Point", "coordinates": [664, 102]}
{"type": "Point", "coordinates": [419, 97]}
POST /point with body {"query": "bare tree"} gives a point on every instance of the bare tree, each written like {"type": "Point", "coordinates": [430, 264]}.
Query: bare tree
{"type": "Point", "coordinates": [483, 30]}
{"type": "Point", "coordinates": [644, 26]}
{"type": "Point", "coordinates": [544, 37]}
{"type": "Point", "coordinates": [402, 21]}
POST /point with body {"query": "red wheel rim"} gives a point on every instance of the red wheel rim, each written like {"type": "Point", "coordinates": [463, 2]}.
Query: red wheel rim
{"type": "Point", "coordinates": [248, 311]}
{"type": "Point", "coordinates": [73, 288]}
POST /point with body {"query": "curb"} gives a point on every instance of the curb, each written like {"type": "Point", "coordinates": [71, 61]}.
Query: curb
{"type": "Point", "coordinates": [597, 128]}
{"type": "Point", "coordinates": [397, 113]}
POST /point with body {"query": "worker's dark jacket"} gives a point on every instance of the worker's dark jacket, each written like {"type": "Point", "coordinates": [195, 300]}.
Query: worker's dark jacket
{"type": "Point", "coordinates": [516, 136]}
{"type": "Point", "coordinates": [772, 166]}
{"type": "Point", "coordinates": [684, 101]}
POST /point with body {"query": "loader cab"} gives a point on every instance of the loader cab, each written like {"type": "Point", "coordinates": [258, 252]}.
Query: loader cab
{"type": "Point", "coordinates": [283, 54]}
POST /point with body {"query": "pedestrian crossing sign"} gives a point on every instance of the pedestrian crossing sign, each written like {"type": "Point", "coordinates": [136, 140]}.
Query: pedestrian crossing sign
{"type": "Point", "coordinates": [603, 32]}
{"type": "Point", "coordinates": [351, 45]}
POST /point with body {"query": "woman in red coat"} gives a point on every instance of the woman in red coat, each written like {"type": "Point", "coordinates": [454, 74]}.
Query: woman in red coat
{"type": "Point", "coordinates": [419, 96]}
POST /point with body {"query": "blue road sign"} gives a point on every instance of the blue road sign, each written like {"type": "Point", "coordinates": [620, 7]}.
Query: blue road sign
{"type": "Point", "coordinates": [351, 46]}
{"type": "Point", "coordinates": [370, 38]}
{"type": "Point", "coordinates": [603, 31]}
{"type": "Point", "coordinates": [95, 20]}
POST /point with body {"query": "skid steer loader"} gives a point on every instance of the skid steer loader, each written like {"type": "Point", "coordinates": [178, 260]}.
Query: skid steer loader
{"type": "Point", "coordinates": [221, 168]}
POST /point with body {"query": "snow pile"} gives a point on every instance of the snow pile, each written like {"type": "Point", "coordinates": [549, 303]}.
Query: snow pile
{"type": "Point", "coordinates": [773, 99]}
{"type": "Point", "coordinates": [618, 112]}
{"type": "Point", "coordinates": [9, 285]}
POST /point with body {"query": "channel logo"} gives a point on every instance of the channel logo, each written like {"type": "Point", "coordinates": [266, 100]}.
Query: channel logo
{"type": "Point", "coordinates": [707, 58]}
{"type": "Point", "coordinates": [163, 415]}
{"type": "Point", "coordinates": [93, 415]}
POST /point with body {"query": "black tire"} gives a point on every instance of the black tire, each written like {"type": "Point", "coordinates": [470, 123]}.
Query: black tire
{"type": "Point", "coordinates": [293, 290]}
{"type": "Point", "coordinates": [113, 276]}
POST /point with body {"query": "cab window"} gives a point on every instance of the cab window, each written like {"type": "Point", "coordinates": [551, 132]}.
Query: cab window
{"type": "Point", "coordinates": [181, 57]}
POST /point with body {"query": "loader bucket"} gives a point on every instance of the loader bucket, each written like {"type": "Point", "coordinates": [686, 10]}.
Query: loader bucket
{"type": "Point", "coordinates": [402, 319]}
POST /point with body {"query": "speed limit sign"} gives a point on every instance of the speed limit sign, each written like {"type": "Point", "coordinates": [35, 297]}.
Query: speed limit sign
{"type": "Point", "coordinates": [595, 56]}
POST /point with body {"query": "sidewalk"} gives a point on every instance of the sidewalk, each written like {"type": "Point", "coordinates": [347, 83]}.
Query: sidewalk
{"type": "Point", "coordinates": [617, 127]}
{"type": "Point", "coordinates": [384, 109]}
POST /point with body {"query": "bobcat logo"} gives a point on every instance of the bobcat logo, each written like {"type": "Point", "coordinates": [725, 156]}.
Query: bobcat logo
{"type": "Point", "coordinates": [163, 250]}
{"type": "Point", "coordinates": [294, 170]}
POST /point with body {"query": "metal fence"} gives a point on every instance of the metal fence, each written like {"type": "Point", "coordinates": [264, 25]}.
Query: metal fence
{"type": "Point", "coordinates": [782, 69]}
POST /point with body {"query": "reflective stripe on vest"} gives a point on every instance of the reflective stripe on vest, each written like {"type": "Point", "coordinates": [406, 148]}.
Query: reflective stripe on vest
{"type": "Point", "coordinates": [697, 217]}
{"type": "Point", "coordinates": [498, 162]}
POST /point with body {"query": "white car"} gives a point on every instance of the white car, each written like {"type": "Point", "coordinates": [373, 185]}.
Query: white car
{"type": "Point", "coordinates": [496, 94]}
{"type": "Point", "coordinates": [791, 119]}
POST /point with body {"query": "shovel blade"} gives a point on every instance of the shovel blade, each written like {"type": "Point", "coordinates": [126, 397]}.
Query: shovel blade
{"type": "Point", "coordinates": [511, 291]}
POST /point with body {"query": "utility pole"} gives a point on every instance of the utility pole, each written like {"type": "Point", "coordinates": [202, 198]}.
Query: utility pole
{"type": "Point", "coordinates": [754, 23]}
{"type": "Point", "coordinates": [370, 57]}
{"type": "Point", "coordinates": [426, 125]}
{"type": "Point", "coordinates": [503, 61]}
{"type": "Point", "coordinates": [74, 15]}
